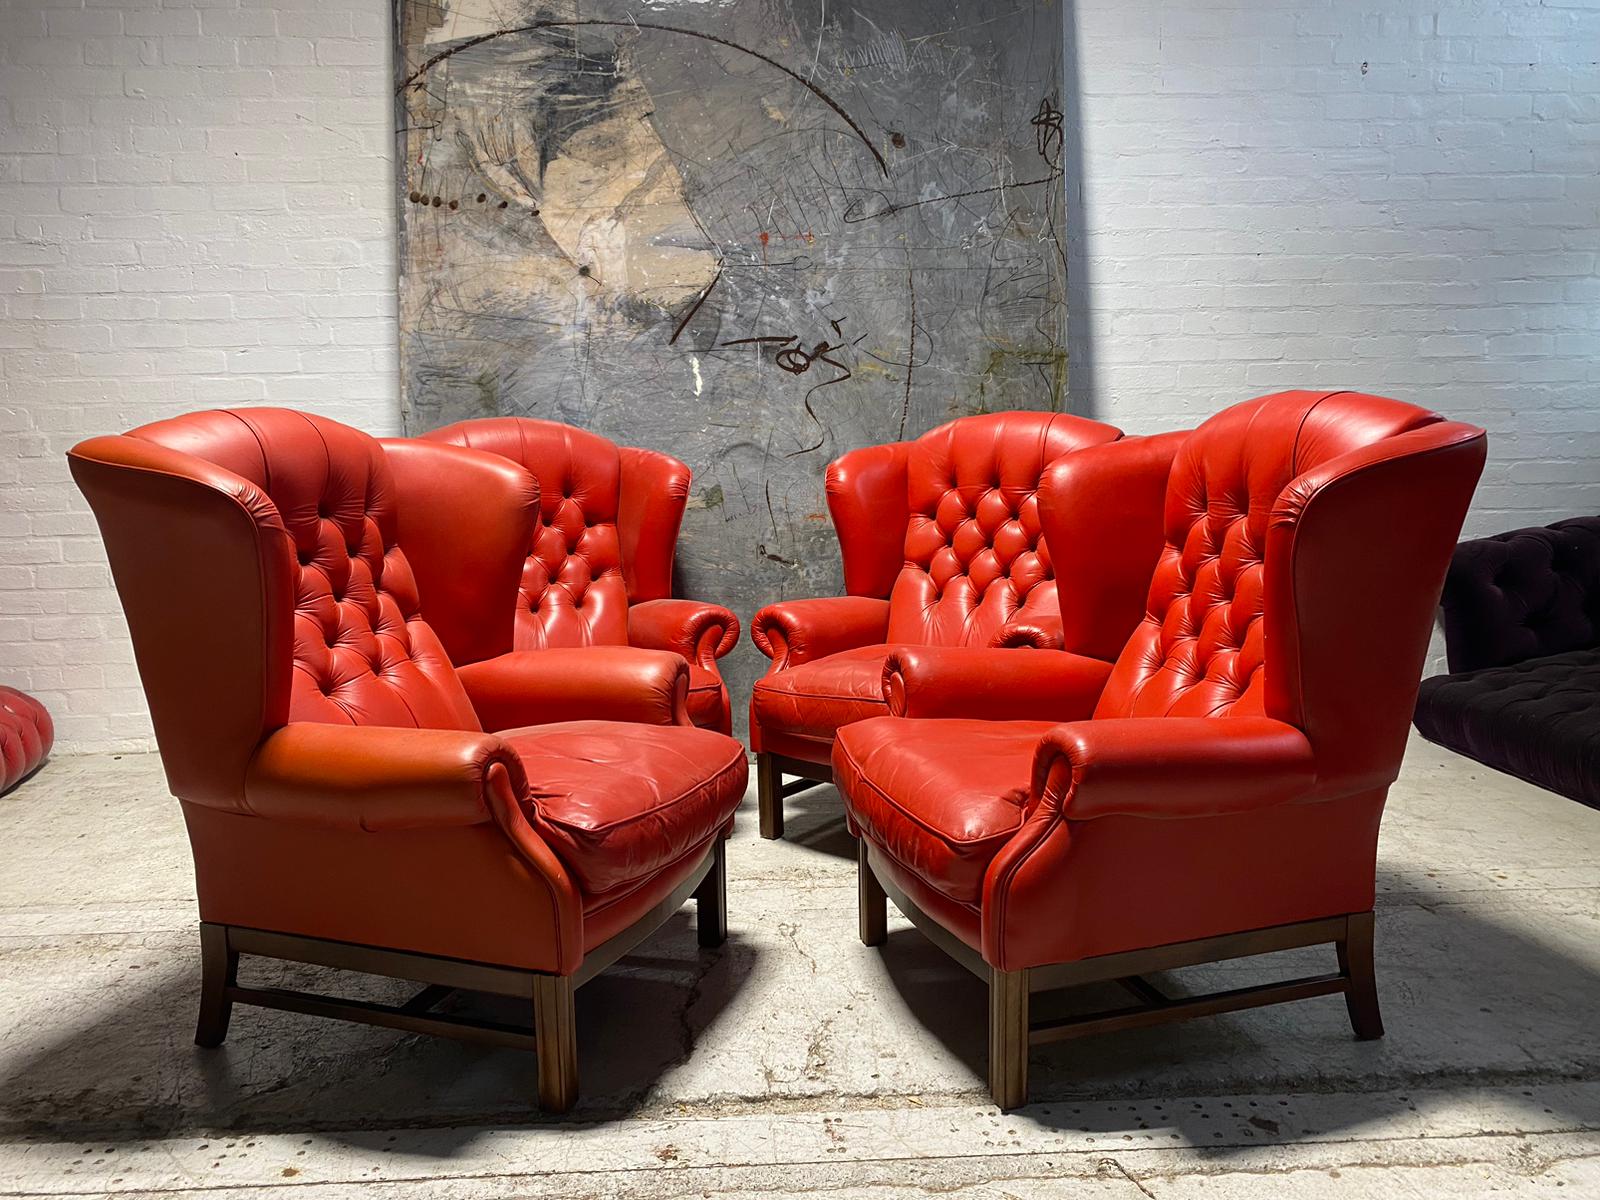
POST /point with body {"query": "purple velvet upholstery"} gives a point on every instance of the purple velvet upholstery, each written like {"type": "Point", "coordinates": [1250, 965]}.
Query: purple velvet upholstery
{"type": "Point", "coordinates": [1522, 631]}
{"type": "Point", "coordinates": [1523, 594]}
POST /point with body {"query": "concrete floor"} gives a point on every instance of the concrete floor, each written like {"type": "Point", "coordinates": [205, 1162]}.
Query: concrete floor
{"type": "Point", "coordinates": [796, 1060]}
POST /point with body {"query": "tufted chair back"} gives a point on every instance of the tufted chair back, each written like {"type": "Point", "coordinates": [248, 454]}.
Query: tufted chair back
{"type": "Point", "coordinates": [256, 553]}
{"type": "Point", "coordinates": [1200, 650]}
{"type": "Point", "coordinates": [363, 655]}
{"type": "Point", "coordinates": [1523, 594]}
{"type": "Point", "coordinates": [1304, 538]}
{"type": "Point", "coordinates": [608, 530]}
{"type": "Point", "coordinates": [947, 527]}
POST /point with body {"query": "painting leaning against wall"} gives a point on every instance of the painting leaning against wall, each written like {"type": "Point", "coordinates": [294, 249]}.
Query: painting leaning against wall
{"type": "Point", "coordinates": [752, 233]}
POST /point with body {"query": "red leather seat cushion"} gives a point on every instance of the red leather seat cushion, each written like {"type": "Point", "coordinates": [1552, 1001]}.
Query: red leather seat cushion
{"type": "Point", "coordinates": [820, 697]}
{"type": "Point", "coordinates": [939, 797]}
{"type": "Point", "coordinates": [705, 703]}
{"type": "Point", "coordinates": [617, 802]}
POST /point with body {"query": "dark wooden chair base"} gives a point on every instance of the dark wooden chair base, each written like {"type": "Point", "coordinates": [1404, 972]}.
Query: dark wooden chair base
{"type": "Point", "coordinates": [771, 790]}
{"type": "Point", "coordinates": [552, 1035]}
{"type": "Point", "coordinates": [1012, 1033]}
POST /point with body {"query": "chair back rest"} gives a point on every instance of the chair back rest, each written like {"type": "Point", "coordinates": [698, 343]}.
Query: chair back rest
{"type": "Point", "coordinates": [608, 528]}
{"type": "Point", "coordinates": [947, 526]}
{"type": "Point", "coordinates": [255, 554]}
{"type": "Point", "coordinates": [1528, 593]}
{"type": "Point", "coordinates": [1305, 541]}
{"type": "Point", "coordinates": [975, 555]}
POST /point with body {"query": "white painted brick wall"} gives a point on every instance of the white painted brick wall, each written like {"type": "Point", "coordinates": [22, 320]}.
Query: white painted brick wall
{"type": "Point", "coordinates": [196, 209]}
{"type": "Point", "coordinates": [1400, 196]}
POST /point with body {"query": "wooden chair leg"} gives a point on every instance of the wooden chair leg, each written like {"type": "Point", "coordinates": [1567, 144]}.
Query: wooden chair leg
{"type": "Point", "coordinates": [219, 971]}
{"type": "Point", "coordinates": [555, 1031]}
{"type": "Point", "coordinates": [872, 903]}
{"type": "Point", "coordinates": [1356, 964]}
{"type": "Point", "coordinates": [1008, 1038]}
{"type": "Point", "coordinates": [711, 900]}
{"type": "Point", "coordinates": [769, 796]}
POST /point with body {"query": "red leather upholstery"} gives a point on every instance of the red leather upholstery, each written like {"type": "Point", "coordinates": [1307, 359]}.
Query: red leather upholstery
{"type": "Point", "coordinates": [361, 654]}
{"type": "Point", "coordinates": [868, 493]}
{"type": "Point", "coordinates": [942, 546]}
{"type": "Point", "coordinates": [1108, 508]}
{"type": "Point", "coordinates": [598, 571]}
{"type": "Point", "coordinates": [701, 633]}
{"type": "Point", "coordinates": [975, 556]}
{"type": "Point", "coordinates": [1041, 632]}
{"type": "Point", "coordinates": [609, 683]}
{"type": "Point", "coordinates": [941, 806]}
{"type": "Point", "coordinates": [819, 696]}
{"type": "Point", "coordinates": [1198, 651]}
{"type": "Point", "coordinates": [653, 491]}
{"type": "Point", "coordinates": [586, 800]}
{"type": "Point", "coordinates": [26, 735]}
{"type": "Point", "coordinates": [1292, 556]}
{"type": "Point", "coordinates": [957, 681]}
{"type": "Point", "coordinates": [792, 632]}
{"type": "Point", "coordinates": [464, 568]}
{"type": "Point", "coordinates": [332, 765]}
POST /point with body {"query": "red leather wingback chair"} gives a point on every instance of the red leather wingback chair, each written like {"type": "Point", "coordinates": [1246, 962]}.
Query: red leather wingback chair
{"type": "Point", "coordinates": [1270, 581]}
{"type": "Point", "coordinates": [599, 572]}
{"type": "Point", "coordinates": [942, 547]}
{"type": "Point", "coordinates": [344, 802]}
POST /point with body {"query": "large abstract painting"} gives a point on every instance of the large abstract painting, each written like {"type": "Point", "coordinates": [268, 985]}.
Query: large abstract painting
{"type": "Point", "coordinates": [752, 233]}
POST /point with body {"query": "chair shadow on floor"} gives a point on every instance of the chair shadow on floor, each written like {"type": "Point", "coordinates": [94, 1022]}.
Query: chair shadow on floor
{"type": "Point", "coordinates": [814, 820]}
{"type": "Point", "coordinates": [132, 1073]}
{"type": "Point", "coordinates": [1468, 1002]}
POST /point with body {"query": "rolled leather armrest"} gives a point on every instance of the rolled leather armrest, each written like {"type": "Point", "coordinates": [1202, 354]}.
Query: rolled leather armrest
{"type": "Point", "coordinates": [378, 778]}
{"type": "Point", "coordinates": [987, 683]}
{"type": "Point", "coordinates": [791, 632]}
{"type": "Point", "coordinates": [701, 632]}
{"type": "Point", "coordinates": [1036, 633]}
{"type": "Point", "coordinates": [587, 683]}
{"type": "Point", "coordinates": [1171, 767]}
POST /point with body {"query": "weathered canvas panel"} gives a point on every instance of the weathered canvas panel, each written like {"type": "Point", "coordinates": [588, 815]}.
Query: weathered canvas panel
{"type": "Point", "coordinates": [752, 233]}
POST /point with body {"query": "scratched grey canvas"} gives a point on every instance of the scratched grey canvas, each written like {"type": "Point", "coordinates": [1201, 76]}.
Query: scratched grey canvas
{"type": "Point", "coordinates": [752, 233]}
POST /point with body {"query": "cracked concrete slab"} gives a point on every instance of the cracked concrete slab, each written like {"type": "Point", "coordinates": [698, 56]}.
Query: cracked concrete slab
{"type": "Point", "coordinates": [794, 1059]}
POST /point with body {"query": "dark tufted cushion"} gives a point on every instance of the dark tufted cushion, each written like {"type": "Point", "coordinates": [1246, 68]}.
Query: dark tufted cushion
{"type": "Point", "coordinates": [1525, 594]}
{"type": "Point", "coordinates": [1537, 720]}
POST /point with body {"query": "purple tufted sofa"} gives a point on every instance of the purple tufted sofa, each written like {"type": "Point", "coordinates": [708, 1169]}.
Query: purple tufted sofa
{"type": "Point", "coordinates": [1522, 631]}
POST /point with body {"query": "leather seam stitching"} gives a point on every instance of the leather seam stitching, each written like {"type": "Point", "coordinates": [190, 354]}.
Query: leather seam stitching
{"type": "Point", "coordinates": [1003, 880]}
